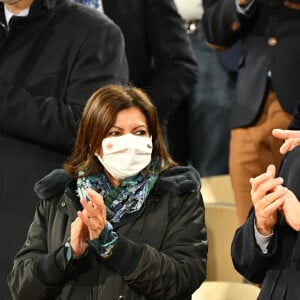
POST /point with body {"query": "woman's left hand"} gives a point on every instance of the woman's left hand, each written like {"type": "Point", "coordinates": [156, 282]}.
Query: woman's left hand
{"type": "Point", "coordinates": [93, 214]}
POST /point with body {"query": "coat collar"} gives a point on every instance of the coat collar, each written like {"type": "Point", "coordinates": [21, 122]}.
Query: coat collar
{"type": "Point", "coordinates": [176, 180]}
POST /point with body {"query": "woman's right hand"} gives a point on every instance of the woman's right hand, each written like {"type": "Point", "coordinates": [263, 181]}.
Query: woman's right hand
{"type": "Point", "coordinates": [79, 236]}
{"type": "Point", "coordinates": [267, 194]}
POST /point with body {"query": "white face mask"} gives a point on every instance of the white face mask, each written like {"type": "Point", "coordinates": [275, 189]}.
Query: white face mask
{"type": "Point", "coordinates": [125, 155]}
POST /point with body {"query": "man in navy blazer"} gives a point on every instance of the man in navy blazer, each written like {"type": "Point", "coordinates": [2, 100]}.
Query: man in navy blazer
{"type": "Point", "coordinates": [268, 81]}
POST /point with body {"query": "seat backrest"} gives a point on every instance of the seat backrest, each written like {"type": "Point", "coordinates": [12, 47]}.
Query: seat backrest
{"type": "Point", "coordinates": [222, 290]}
{"type": "Point", "coordinates": [217, 189]}
{"type": "Point", "coordinates": [221, 221]}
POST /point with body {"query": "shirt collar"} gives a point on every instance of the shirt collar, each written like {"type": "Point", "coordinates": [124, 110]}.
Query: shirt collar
{"type": "Point", "coordinates": [9, 15]}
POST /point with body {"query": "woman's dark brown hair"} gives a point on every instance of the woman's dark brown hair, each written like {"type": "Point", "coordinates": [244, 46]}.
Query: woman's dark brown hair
{"type": "Point", "coordinates": [100, 114]}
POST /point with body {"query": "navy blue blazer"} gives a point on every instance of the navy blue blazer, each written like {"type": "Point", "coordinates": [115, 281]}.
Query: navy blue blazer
{"type": "Point", "coordinates": [270, 41]}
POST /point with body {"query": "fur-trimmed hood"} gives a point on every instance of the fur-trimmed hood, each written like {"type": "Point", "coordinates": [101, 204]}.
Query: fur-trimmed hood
{"type": "Point", "coordinates": [178, 180]}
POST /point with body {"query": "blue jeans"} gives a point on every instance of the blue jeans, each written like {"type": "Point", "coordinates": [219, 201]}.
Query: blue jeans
{"type": "Point", "coordinates": [209, 111]}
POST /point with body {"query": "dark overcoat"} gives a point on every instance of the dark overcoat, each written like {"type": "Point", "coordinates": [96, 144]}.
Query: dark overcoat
{"type": "Point", "coordinates": [50, 63]}
{"type": "Point", "coordinates": [160, 254]}
{"type": "Point", "coordinates": [161, 61]}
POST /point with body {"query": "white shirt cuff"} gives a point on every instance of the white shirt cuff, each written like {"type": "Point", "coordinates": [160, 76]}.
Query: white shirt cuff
{"type": "Point", "coordinates": [262, 240]}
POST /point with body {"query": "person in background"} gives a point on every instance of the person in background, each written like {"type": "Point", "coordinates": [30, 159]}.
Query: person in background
{"type": "Point", "coordinates": [128, 223]}
{"type": "Point", "coordinates": [267, 84]}
{"type": "Point", "coordinates": [160, 58]}
{"type": "Point", "coordinates": [53, 56]}
{"type": "Point", "coordinates": [208, 111]}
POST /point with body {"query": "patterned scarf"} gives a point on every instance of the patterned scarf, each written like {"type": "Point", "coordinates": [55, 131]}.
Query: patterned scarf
{"type": "Point", "coordinates": [127, 198]}
{"type": "Point", "coordinates": [91, 3]}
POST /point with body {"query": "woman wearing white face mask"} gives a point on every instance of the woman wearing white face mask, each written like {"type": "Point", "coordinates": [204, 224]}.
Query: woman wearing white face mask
{"type": "Point", "coordinates": [126, 222]}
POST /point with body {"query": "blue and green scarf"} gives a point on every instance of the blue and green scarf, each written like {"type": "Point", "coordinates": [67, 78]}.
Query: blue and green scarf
{"type": "Point", "coordinates": [127, 198]}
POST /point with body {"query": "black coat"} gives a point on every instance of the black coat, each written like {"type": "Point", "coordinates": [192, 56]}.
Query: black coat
{"type": "Point", "coordinates": [50, 63]}
{"type": "Point", "coordinates": [270, 41]}
{"type": "Point", "coordinates": [159, 52]}
{"type": "Point", "coordinates": [279, 270]}
{"type": "Point", "coordinates": [160, 254]}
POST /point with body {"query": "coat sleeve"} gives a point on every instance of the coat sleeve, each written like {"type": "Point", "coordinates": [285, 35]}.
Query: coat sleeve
{"type": "Point", "coordinates": [38, 273]}
{"type": "Point", "coordinates": [175, 67]}
{"type": "Point", "coordinates": [247, 257]}
{"type": "Point", "coordinates": [51, 121]}
{"type": "Point", "coordinates": [222, 24]}
{"type": "Point", "coordinates": [177, 269]}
